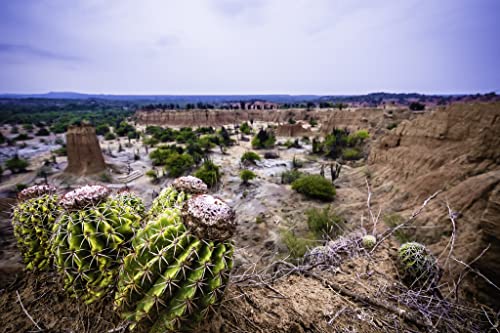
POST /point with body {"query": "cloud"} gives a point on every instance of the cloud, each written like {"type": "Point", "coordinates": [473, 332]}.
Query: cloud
{"type": "Point", "coordinates": [31, 51]}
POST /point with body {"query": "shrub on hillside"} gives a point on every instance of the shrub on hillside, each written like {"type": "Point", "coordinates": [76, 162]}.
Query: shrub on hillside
{"type": "Point", "coordinates": [247, 175]}
{"type": "Point", "coordinates": [324, 222]}
{"type": "Point", "coordinates": [297, 246]}
{"type": "Point", "coordinates": [245, 128]}
{"type": "Point", "coordinates": [350, 154]}
{"type": "Point", "coordinates": [176, 164]}
{"type": "Point", "coordinates": [16, 164]}
{"type": "Point", "coordinates": [289, 176]}
{"type": "Point", "coordinates": [209, 172]}
{"type": "Point", "coordinates": [109, 136]}
{"type": "Point", "coordinates": [264, 139]}
{"type": "Point", "coordinates": [315, 186]}
{"type": "Point", "coordinates": [250, 156]}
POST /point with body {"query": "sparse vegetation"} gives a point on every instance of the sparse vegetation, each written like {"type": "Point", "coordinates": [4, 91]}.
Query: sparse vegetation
{"type": "Point", "coordinates": [264, 139]}
{"type": "Point", "coordinates": [403, 235]}
{"type": "Point", "coordinates": [324, 222]}
{"type": "Point", "coordinates": [16, 164]}
{"type": "Point", "coordinates": [289, 176]}
{"type": "Point", "coordinates": [247, 175]}
{"type": "Point", "coordinates": [177, 164]}
{"type": "Point", "coordinates": [250, 157]}
{"type": "Point", "coordinates": [209, 172]}
{"type": "Point", "coordinates": [297, 246]}
{"type": "Point", "coordinates": [315, 186]}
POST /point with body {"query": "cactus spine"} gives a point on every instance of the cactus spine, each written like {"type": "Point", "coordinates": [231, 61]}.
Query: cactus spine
{"type": "Point", "coordinates": [33, 220]}
{"type": "Point", "coordinates": [179, 266]}
{"type": "Point", "coordinates": [92, 237]}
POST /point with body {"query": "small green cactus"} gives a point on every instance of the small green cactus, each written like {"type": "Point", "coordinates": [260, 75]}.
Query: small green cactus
{"type": "Point", "coordinates": [418, 266]}
{"type": "Point", "coordinates": [182, 188]}
{"type": "Point", "coordinates": [178, 269]}
{"type": "Point", "coordinates": [92, 236]}
{"type": "Point", "coordinates": [368, 241]}
{"type": "Point", "coordinates": [33, 220]}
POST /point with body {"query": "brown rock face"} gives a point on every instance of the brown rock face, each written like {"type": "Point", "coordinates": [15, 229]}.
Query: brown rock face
{"type": "Point", "coordinates": [84, 153]}
{"type": "Point", "coordinates": [327, 118]}
{"type": "Point", "coordinates": [456, 150]}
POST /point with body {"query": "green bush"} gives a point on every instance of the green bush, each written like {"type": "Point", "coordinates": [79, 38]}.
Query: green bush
{"type": "Point", "coordinates": [16, 164]}
{"type": "Point", "coordinates": [22, 137]}
{"type": "Point", "coordinates": [297, 246]}
{"type": "Point", "coordinates": [350, 154]}
{"type": "Point", "coordinates": [250, 156]}
{"type": "Point", "coordinates": [42, 132]}
{"type": "Point", "coordinates": [245, 128]}
{"type": "Point", "coordinates": [209, 172]}
{"type": "Point", "coordinates": [264, 139]}
{"type": "Point", "coordinates": [177, 164]}
{"type": "Point", "coordinates": [324, 222]}
{"type": "Point", "coordinates": [289, 176]}
{"type": "Point", "coordinates": [247, 175]}
{"type": "Point", "coordinates": [102, 129]}
{"type": "Point", "coordinates": [315, 186]}
{"type": "Point", "coordinates": [109, 136]}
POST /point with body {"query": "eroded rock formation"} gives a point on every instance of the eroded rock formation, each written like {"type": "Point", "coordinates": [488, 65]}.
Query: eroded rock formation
{"type": "Point", "coordinates": [84, 153]}
{"type": "Point", "coordinates": [456, 150]}
{"type": "Point", "coordinates": [352, 119]}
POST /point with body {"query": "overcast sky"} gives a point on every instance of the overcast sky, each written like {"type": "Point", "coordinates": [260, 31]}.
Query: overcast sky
{"type": "Point", "coordinates": [249, 46]}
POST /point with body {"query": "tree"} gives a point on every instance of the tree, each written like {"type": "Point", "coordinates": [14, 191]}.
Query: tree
{"type": "Point", "coordinates": [264, 139]}
{"type": "Point", "coordinates": [247, 175]}
{"type": "Point", "coordinates": [245, 128]}
{"type": "Point", "coordinates": [417, 106]}
{"type": "Point", "coordinates": [177, 164]}
{"type": "Point", "coordinates": [102, 129]}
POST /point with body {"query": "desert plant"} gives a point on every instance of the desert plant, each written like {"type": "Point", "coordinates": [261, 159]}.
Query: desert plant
{"type": "Point", "coordinates": [264, 139]}
{"type": "Point", "coordinates": [351, 154]}
{"type": "Point", "coordinates": [418, 266]}
{"type": "Point", "coordinates": [109, 136]}
{"type": "Point", "coordinates": [92, 236]}
{"type": "Point", "coordinates": [368, 241]}
{"type": "Point", "coordinates": [178, 269]}
{"type": "Point", "coordinates": [250, 157]}
{"type": "Point", "coordinates": [177, 164]}
{"type": "Point", "coordinates": [289, 176]}
{"type": "Point", "coordinates": [174, 196]}
{"type": "Point", "coordinates": [324, 222]}
{"type": "Point", "coordinates": [152, 175]}
{"type": "Point", "coordinates": [16, 164]}
{"type": "Point", "coordinates": [297, 246]}
{"type": "Point", "coordinates": [247, 175]}
{"type": "Point", "coordinates": [315, 186]}
{"type": "Point", "coordinates": [32, 220]}
{"type": "Point", "coordinates": [403, 235]}
{"type": "Point", "coordinates": [209, 173]}
{"type": "Point", "coordinates": [245, 128]}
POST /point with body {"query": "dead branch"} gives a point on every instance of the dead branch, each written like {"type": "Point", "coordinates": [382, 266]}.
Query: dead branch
{"type": "Point", "coordinates": [26, 312]}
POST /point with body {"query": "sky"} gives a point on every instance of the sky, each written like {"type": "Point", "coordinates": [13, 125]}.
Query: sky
{"type": "Point", "coordinates": [324, 47]}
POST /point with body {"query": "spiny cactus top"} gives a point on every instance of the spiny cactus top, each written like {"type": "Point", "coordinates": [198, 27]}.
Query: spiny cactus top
{"type": "Point", "coordinates": [175, 195]}
{"type": "Point", "coordinates": [368, 241]}
{"type": "Point", "coordinates": [419, 266]}
{"type": "Point", "coordinates": [209, 217]}
{"type": "Point", "coordinates": [174, 278]}
{"type": "Point", "coordinates": [85, 196]}
{"type": "Point", "coordinates": [92, 237]}
{"type": "Point", "coordinates": [190, 184]}
{"type": "Point", "coordinates": [33, 220]}
{"type": "Point", "coordinates": [36, 191]}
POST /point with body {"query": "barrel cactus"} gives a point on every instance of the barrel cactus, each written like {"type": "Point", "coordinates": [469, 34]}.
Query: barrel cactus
{"type": "Point", "coordinates": [179, 266]}
{"type": "Point", "coordinates": [418, 266]}
{"type": "Point", "coordinates": [91, 238]}
{"type": "Point", "coordinates": [368, 241]}
{"type": "Point", "coordinates": [182, 188]}
{"type": "Point", "coordinates": [33, 220]}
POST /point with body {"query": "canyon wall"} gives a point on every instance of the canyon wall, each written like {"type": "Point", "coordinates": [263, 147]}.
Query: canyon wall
{"type": "Point", "coordinates": [456, 150]}
{"type": "Point", "coordinates": [84, 153]}
{"type": "Point", "coordinates": [327, 119]}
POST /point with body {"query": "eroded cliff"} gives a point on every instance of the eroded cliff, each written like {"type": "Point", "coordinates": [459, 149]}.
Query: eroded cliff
{"type": "Point", "coordinates": [455, 150]}
{"type": "Point", "coordinates": [84, 153]}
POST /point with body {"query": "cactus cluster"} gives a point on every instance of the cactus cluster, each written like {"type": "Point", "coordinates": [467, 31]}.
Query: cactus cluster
{"type": "Point", "coordinates": [418, 266]}
{"type": "Point", "coordinates": [91, 237]}
{"type": "Point", "coordinates": [167, 274]}
{"type": "Point", "coordinates": [33, 220]}
{"type": "Point", "coordinates": [179, 266]}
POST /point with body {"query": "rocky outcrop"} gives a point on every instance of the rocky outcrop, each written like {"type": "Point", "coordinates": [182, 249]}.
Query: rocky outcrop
{"type": "Point", "coordinates": [84, 153]}
{"type": "Point", "coordinates": [455, 150]}
{"type": "Point", "coordinates": [353, 119]}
